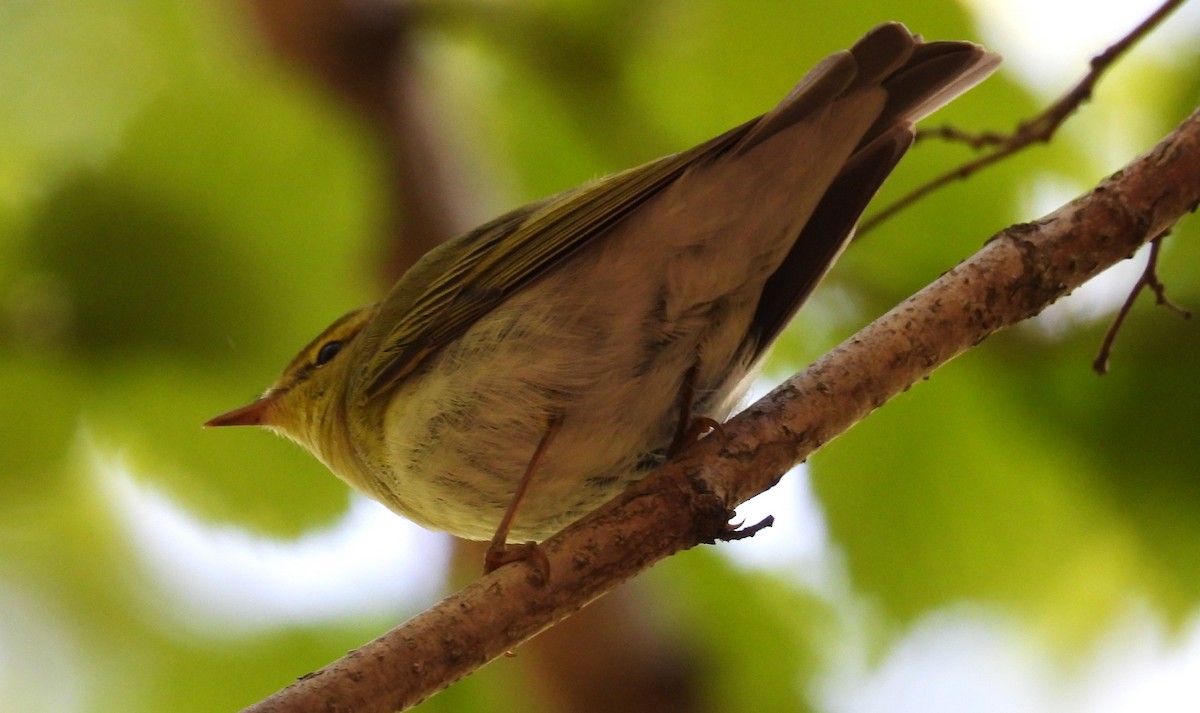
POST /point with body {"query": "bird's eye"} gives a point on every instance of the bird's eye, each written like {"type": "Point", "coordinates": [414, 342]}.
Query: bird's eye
{"type": "Point", "coordinates": [328, 351]}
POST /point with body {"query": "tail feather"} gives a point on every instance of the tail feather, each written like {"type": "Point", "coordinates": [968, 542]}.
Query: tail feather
{"type": "Point", "coordinates": [919, 78]}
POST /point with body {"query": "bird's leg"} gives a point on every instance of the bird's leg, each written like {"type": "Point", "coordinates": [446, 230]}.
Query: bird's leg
{"type": "Point", "coordinates": [688, 430]}
{"type": "Point", "coordinates": [499, 553]}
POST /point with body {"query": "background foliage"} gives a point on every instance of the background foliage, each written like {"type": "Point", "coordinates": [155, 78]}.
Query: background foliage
{"type": "Point", "coordinates": [179, 211]}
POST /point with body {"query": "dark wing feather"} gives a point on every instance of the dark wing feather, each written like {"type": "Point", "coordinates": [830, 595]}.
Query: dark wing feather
{"type": "Point", "coordinates": [823, 237]}
{"type": "Point", "coordinates": [930, 76]}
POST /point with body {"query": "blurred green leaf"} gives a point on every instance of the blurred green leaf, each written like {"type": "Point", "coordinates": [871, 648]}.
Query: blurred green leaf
{"type": "Point", "coordinates": [757, 634]}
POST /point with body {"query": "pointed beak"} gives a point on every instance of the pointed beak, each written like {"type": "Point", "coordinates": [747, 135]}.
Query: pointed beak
{"type": "Point", "coordinates": [256, 413]}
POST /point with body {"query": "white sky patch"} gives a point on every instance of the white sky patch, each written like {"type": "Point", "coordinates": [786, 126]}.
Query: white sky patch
{"type": "Point", "coordinates": [974, 659]}
{"type": "Point", "coordinates": [1048, 43]}
{"type": "Point", "coordinates": [218, 579]}
{"type": "Point", "coordinates": [1140, 667]}
{"type": "Point", "coordinates": [952, 660]}
{"type": "Point", "coordinates": [40, 665]}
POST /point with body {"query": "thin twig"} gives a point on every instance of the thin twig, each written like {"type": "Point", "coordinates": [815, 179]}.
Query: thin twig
{"type": "Point", "coordinates": [954, 134]}
{"type": "Point", "coordinates": [1149, 279]}
{"type": "Point", "coordinates": [1041, 128]}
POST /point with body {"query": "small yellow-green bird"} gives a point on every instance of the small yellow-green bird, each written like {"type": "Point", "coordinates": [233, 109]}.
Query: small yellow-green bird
{"type": "Point", "coordinates": [565, 348]}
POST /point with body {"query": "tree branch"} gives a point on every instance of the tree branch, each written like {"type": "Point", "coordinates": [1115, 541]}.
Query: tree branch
{"type": "Point", "coordinates": [1014, 276]}
{"type": "Point", "coordinates": [1039, 129]}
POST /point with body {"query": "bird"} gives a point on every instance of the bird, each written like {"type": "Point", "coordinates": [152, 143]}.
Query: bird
{"type": "Point", "coordinates": [522, 374]}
